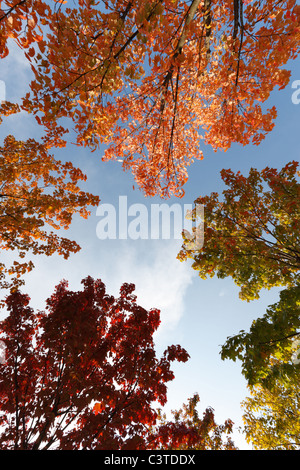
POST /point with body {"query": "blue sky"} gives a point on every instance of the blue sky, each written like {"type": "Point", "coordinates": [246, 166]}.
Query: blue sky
{"type": "Point", "coordinates": [197, 314]}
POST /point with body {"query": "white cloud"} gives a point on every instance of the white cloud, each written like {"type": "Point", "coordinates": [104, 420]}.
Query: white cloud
{"type": "Point", "coordinates": [161, 280]}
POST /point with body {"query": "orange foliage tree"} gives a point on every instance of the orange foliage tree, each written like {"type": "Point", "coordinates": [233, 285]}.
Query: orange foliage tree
{"type": "Point", "coordinates": [37, 192]}
{"type": "Point", "coordinates": [151, 78]}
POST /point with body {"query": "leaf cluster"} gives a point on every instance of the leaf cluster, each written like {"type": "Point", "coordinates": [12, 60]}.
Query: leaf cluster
{"type": "Point", "coordinates": [272, 417]}
{"type": "Point", "coordinates": [268, 351]}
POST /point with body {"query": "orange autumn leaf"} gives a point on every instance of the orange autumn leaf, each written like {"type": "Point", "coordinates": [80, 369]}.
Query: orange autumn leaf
{"type": "Point", "coordinates": [98, 408]}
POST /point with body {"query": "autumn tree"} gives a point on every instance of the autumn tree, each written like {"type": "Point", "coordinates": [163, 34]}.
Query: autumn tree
{"type": "Point", "coordinates": [272, 417]}
{"type": "Point", "coordinates": [252, 232]}
{"type": "Point", "coordinates": [37, 194]}
{"type": "Point", "coordinates": [267, 350]}
{"type": "Point", "coordinates": [83, 373]}
{"type": "Point", "coordinates": [151, 79]}
{"type": "Point", "coordinates": [189, 431]}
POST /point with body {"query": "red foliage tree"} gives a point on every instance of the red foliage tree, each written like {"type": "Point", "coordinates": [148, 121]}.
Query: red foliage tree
{"type": "Point", "coordinates": [189, 431]}
{"type": "Point", "coordinates": [83, 374]}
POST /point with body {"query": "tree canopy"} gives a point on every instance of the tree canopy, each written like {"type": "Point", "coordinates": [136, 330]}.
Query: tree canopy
{"type": "Point", "coordinates": [272, 417]}
{"type": "Point", "coordinates": [145, 82]}
{"type": "Point", "coordinates": [252, 233]}
{"type": "Point", "coordinates": [151, 79]}
{"type": "Point", "coordinates": [268, 349]}
{"type": "Point", "coordinates": [189, 431]}
{"type": "Point", "coordinates": [37, 194]}
{"type": "Point", "coordinates": [82, 374]}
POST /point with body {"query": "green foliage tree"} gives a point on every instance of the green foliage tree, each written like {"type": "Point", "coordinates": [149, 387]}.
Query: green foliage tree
{"type": "Point", "coordinates": [252, 234]}
{"type": "Point", "coordinates": [272, 417]}
{"type": "Point", "coordinates": [267, 350]}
